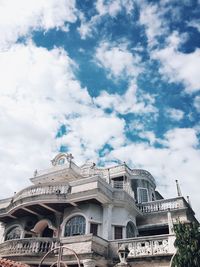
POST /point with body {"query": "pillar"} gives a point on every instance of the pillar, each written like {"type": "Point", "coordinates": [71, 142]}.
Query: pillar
{"type": "Point", "coordinates": [170, 222]}
{"type": "Point", "coordinates": [107, 219]}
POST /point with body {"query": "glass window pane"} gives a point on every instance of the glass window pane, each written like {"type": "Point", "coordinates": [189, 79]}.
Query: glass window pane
{"type": "Point", "coordinates": [118, 232]}
{"type": "Point", "coordinates": [75, 226]}
{"type": "Point", "coordinates": [130, 230]}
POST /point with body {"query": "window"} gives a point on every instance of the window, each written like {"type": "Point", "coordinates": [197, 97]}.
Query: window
{"type": "Point", "coordinates": [130, 230]}
{"type": "Point", "coordinates": [13, 233]}
{"type": "Point", "coordinates": [142, 195]}
{"type": "Point", "coordinates": [61, 161]}
{"type": "Point", "coordinates": [118, 232]}
{"type": "Point", "coordinates": [94, 228]}
{"type": "Point", "coordinates": [75, 226]}
{"type": "Point", "coordinates": [118, 182]}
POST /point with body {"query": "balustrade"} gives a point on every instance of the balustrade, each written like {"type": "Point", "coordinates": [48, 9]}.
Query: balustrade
{"type": "Point", "coordinates": [25, 246]}
{"type": "Point", "coordinates": [161, 205]}
{"type": "Point", "coordinates": [153, 246]}
{"type": "Point", "coordinates": [42, 190]}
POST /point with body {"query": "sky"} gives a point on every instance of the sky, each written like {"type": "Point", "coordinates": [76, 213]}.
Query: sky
{"type": "Point", "coordinates": [108, 81]}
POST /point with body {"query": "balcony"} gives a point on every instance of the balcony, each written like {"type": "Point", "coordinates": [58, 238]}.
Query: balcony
{"type": "Point", "coordinates": [38, 247]}
{"type": "Point", "coordinates": [33, 200]}
{"type": "Point", "coordinates": [163, 205]}
{"type": "Point", "coordinates": [53, 198]}
{"type": "Point", "coordinates": [53, 189]}
{"type": "Point", "coordinates": [27, 247]}
{"type": "Point", "coordinates": [149, 246]}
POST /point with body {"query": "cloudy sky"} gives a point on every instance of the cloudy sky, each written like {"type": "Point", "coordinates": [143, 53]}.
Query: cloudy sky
{"type": "Point", "coordinates": [108, 81]}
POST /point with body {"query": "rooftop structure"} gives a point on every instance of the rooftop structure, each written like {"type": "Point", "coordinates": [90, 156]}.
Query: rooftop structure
{"type": "Point", "coordinates": [106, 215]}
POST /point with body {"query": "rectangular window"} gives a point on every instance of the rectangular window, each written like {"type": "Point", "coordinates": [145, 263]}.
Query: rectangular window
{"type": "Point", "coordinates": [142, 195]}
{"type": "Point", "coordinates": [118, 232]}
{"type": "Point", "coordinates": [94, 228]}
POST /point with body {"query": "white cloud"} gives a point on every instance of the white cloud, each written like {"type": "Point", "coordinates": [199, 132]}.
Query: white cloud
{"type": "Point", "coordinates": [197, 103]}
{"type": "Point", "coordinates": [113, 7]}
{"type": "Point", "coordinates": [17, 18]}
{"type": "Point", "coordinates": [85, 30]}
{"type": "Point", "coordinates": [149, 135]}
{"type": "Point", "coordinates": [151, 17]}
{"type": "Point", "coordinates": [178, 66]}
{"type": "Point", "coordinates": [129, 102]}
{"type": "Point", "coordinates": [39, 92]}
{"type": "Point", "coordinates": [117, 60]}
{"type": "Point", "coordinates": [104, 8]}
{"type": "Point", "coordinates": [88, 134]}
{"type": "Point", "coordinates": [175, 114]}
{"type": "Point", "coordinates": [178, 160]}
{"type": "Point", "coordinates": [195, 24]}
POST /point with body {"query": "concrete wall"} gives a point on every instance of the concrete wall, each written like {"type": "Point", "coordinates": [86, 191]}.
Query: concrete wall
{"type": "Point", "coordinates": [1, 232]}
{"type": "Point", "coordinates": [158, 262]}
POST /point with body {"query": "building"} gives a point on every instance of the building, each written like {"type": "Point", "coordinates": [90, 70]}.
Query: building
{"type": "Point", "coordinates": [106, 215]}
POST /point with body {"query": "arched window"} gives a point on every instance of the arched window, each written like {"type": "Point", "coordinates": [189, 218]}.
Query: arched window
{"type": "Point", "coordinates": [75, 226]}
{"type": "Point", "coordinates": [13, 233]}
{"type": "Point", "coordinates": [130, 230]}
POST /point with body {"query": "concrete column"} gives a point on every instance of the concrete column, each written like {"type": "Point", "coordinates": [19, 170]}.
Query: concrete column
{"type": "Point", "coordinates": [170, 222]}
{"type": "Point", "coordinates": [107, 219]}
{"type": "Point", "coordinates": [89, 263]}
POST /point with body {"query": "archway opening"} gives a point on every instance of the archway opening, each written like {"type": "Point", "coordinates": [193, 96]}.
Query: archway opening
{"type": "Point", "coordinates": [42, 229]}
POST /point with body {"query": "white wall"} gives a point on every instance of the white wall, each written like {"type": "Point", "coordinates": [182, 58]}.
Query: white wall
{"type": "Point", "coordinates": [1, 232]}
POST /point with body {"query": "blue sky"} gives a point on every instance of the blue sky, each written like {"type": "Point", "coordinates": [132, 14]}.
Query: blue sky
{"type": "Point", "coordinates": [108, 81]}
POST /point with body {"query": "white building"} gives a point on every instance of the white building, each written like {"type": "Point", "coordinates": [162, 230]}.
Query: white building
{"type": "Point", "coordinates": [100, 213]}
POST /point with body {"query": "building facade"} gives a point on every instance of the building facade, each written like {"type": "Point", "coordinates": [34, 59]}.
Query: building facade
{"type": "Point", "coordinates": [108, 216]}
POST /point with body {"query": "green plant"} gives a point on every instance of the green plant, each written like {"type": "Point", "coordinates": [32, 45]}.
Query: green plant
{"type": "Point", "coordinates": [187, 244]}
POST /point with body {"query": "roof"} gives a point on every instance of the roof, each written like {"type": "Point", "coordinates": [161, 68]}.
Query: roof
{"type": "Point", "coordinates": [10, 263]}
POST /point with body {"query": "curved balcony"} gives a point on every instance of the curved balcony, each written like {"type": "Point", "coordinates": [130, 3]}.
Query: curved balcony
{"type": "Point", "coordinates": [27, 246]}
{"type": "Point", "coordinates": [36, 195]}
{"type": "Point", "coordinates": [45, 199]}
{"type": "Point", "coordinates": [163, 205]}
{"type": "Point", "coordinates": [37, 190]}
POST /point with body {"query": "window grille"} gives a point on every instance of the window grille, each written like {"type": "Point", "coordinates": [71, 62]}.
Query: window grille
{"type": "Point", "coordinates": [130, 230]}
{"type": "Point", "coordinates": [142, 195]}
{"type": "Point", "coordinates": [75, 226]}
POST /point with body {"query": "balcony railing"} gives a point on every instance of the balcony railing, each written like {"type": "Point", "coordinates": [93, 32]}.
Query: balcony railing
{"type": "Point", "coordinates": [59, 188]}
{"type": "Point", "coordinates": [36, 193]}
{"type": "Point", "coordinates": [123, 185]}
{"type": "Point", "coordinates": [116, 171]}
{"type": "Point", "coordinates": [162, 205]}
{"type": "Point", "coordinates": [41, 245]}
{"type": "Point", "coordinates": [27, 246]}
{"type": "Point", "coordinates": [150, 246]}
